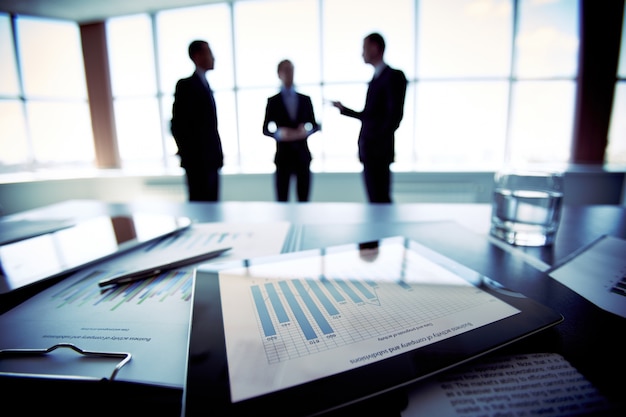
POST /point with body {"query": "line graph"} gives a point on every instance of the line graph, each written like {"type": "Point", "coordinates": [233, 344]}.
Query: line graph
{"type": "Point", "coordinates": [85, 293]}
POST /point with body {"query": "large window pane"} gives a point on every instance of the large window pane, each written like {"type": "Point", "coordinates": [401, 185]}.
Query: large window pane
{"type": "Point", "coordinates": [464, 38]}
{"type": "Point", "coordinates": [340, 134]}
{"type": "Point", "coordinates": [13, 140]}
{"type": "Point", "coordinates": [290, 30]}
{"type": "Point", "coordinates": [347, 22]}
{"type": "Point", "coordinates": [460, 124]}
{"type": "Point", "coordinates": [131, 57]}
{"type": "Point", "coordinates": [547, 39]}
{"type": "Point", "coordinates": [51, 58]}
{"type": "Point", "coordinates": [257, 150]}
{"type": "Point", "coordinates": [541, 127]}
{"type": "Point", "coordinates": [9, 84]}
{"type": "Point", "coordinates": [59, 126]}
{"type": "Point", "coordinates": [457, 55]}
{"type": "Point", "coordinates": [175, 31]}
{"type": "Point", "coordinates": [60, 132]}
{"type": "Point", "coordinates": [138, 131]}
{"type": "Point", "coordinates": [227, 126]}
{"type": "Point", "coordinates": [616, 150]}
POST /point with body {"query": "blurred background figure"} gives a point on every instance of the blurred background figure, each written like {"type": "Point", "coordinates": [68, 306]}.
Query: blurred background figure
{"type": "Point", "coordinates": [194, 127]}
{"type": "Point", "coordinates": [381, 116]}
{"type": "Point", "coordinates": [290, 120]}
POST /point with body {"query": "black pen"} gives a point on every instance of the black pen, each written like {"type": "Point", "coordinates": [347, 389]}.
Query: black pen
{"type": "Point", "coordinates": [156, 270]}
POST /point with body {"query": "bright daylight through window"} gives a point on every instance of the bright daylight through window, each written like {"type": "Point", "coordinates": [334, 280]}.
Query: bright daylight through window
{"type": "Point", "coordinates": [489, 82]}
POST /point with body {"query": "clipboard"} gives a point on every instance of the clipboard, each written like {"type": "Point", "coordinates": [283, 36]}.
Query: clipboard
{"type": "Point", "coordinates": [8, 354]}
{"type": "Point", "coordinates": [76, 394]}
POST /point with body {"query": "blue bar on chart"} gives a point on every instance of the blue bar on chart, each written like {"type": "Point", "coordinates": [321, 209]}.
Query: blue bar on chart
{"type": "Point", "coordinates": [310, 304]}
{"type": "Point", "coordinates": [348, 290]}
{"type": "Point", "coordinates": [332, 290]}
{"type": "Point", "coordinates": [281, 314]}
{"type": "Point", "coordinates": [404, 284]}
{"type": "Point", "coordinates": [371, 283]}
{"type": "Point", "coordinates": [328, 305]}
{"type": "Point", "coordinates": [363, 289]}
{"type": "Point", "coordinates": [264, 315]}
{"type": "Point", "coordinates": [222, 237]}
{"type": "Point", "coordinates": [306, 327]}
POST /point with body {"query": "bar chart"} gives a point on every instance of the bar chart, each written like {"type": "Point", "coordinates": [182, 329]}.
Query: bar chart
{"type": "Point", "coordinates": [302, 316]}
{"type": "Point", "coordinates": [319, 313]}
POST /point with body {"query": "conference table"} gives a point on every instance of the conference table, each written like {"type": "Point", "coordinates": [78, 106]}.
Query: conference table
{"type": "Point", "coordinates": [590, 338]}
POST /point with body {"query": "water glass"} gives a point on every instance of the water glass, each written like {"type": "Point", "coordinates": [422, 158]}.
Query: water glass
{"type": "Point", "coordinates": [526, 207]}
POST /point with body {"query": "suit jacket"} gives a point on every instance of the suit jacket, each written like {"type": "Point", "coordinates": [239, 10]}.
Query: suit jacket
{"type": "Point", "coordinates": [381, 116]}
{"type": "Point", "coordinates": [276, 111]}
{"type": "Point", "coordinates": [194, 125]}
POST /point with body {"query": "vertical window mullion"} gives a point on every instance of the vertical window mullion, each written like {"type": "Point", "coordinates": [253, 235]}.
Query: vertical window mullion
{"type": "Point", "coordinates": [511, 81]}
{"type": "Point", "coordinates": [159, 93]}
{"type": "Point", "coordinates": [235, 83]}
{"type": "Point", "coordinates": [30, 162]}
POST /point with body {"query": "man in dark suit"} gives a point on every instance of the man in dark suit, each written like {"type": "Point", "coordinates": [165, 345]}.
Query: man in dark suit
{"type": "Point", "coordinates": [381, 116]}
{"type": "Point", "coordinates": [194, 127]}
{"type": "Point", "coordinates": [290, 120]}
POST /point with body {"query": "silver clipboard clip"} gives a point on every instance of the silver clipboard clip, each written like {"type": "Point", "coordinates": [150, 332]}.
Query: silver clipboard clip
{"type": "Point", "coordinates": [124, 356]}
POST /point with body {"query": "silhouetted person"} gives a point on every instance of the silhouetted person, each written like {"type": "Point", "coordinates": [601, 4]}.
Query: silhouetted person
{"type": "Point", "coordinates": [289, 118]}
{"type": "Point", "coordinates": [381, 116]}
{"type": "Point", "coordinates": [194, 127]}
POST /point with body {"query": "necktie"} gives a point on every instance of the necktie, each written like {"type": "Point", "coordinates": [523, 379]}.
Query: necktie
{"type": "Point", "coordinates": [291, 104]}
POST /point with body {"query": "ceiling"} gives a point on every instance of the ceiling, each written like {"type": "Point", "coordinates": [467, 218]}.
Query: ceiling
{"type": "Point", "coordinates": [87, 11]}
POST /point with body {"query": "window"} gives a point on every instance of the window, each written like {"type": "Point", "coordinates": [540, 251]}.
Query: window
{"type": "Point", "coordinates": [490, 81]}
{"type": "Point", "coordinates": [464, 39]}
{"type": "Point", "coordinates": [479, 95]}
{"type": "Point", "coordinates": [175, 29]}
{"type": "Point", "coordinates": [9, 83]}
{"type": "Point", "coordinates": [463, 69]}
{"type": "Point", "coordinates": [45, 118]}
{"type": "Point", "coordinates": [13, 140]}
{"type": "Point", "coordinates": [53, 77]}
{"type": "Point", "coordinates": [134, 86]}
{"type": "Point", "coordinates": [345, 75]}
{"type": "Point", "coordinates": [291, 31]}
{"type": "Point", "coordinates": [544, 88]}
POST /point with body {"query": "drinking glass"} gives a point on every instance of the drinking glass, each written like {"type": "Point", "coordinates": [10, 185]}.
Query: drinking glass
{"type": "Point", "coordinates": [526, 207]}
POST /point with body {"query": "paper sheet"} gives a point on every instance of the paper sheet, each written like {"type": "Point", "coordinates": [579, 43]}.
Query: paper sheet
{"type": "Point", "coordinates": [598, 273]}
{"type": "Point", "coordinates": [247, 240]}
{"type": "Point", "coordinates": [149, 318]}
{"type": "Point", "coordinates": [536, 384]}
{"type": "Point", "coordinates": [291, 322]}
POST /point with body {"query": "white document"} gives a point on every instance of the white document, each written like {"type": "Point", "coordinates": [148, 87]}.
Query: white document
{"type": "Point", "coordinates": [284, 326]}
{"type": "Point", "coordinates": [535, 384]}
{"type": "Point", "coordinates": [598, 273]}
{"type": "Point", "coordinates": [246, 240]}
{"type": "Point", "coordinates": [148, 319]}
